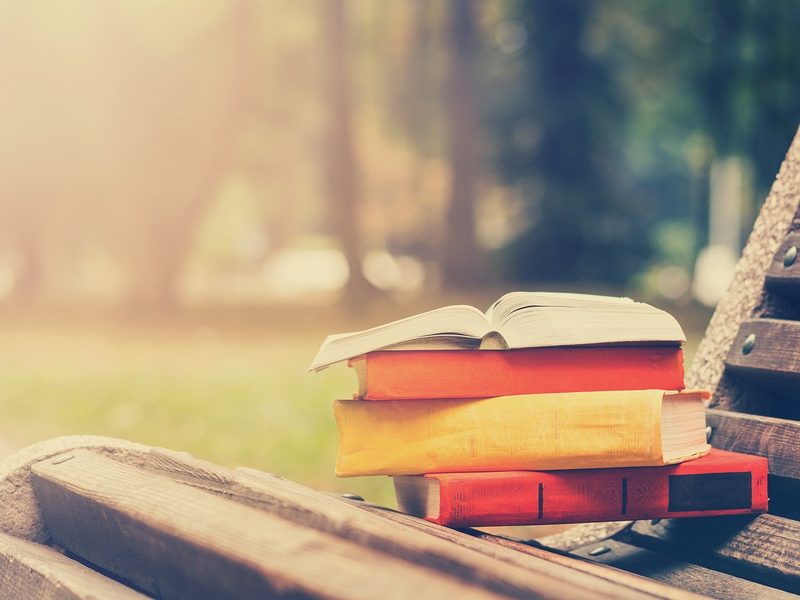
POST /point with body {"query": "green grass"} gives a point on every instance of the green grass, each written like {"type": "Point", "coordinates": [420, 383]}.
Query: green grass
{"type": "Point", "coordinates": [231, 398]}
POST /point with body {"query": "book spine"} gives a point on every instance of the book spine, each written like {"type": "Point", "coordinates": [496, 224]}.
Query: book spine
{"type": "Point", "coordinates": [539, 432]}
{"type": "Point", "coordinates": [397, 375]}
{"type": "Point", "coordinates": [594, 495]}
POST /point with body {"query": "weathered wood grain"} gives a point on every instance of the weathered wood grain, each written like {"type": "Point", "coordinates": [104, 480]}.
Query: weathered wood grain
{"type": "Point", "coordinates": [30, 571]}
{"type": "Point", "coordinates": [612, 573]}
{"type": "Point", "coordinates": [174, 541]}
{"type": "Point", "coordinates": [781, 277]}
{"type": "Point", "coordinates": [489, 565]}
{"type": "Point", "coordinates": [19, 513]}
{"type": "Point", "coordinates": [409, 538]}
{"type": "Point", "coordinates": [771, 359]}
{"type": "Point", "coordinates": [678, 573]}
{"type": "Point", "coordinates": [776, 439]}
{"type": "Point", "coordinates": [577, 536]}
{"type": "Point", "coordinates": [765, 548]}
{"type": "Point", "coordinates": [509, 573]}
{"type": "Point", "coordinates": [499, 547]}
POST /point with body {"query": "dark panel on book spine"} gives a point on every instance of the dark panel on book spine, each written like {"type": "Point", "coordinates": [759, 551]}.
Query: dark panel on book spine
{"type": "Point", "coordinates": [624, 507]}
{"type": "Point", "coordinates": [541, 501]}
{"type": "Point", "coordinates": [712, 491]}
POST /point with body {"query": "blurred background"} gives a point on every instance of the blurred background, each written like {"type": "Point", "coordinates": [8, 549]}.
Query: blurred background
{"type": "Point", "coordinates": [194, 193]}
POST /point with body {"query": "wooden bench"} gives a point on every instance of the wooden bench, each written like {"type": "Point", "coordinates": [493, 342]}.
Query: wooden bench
{"type": "Point", "coordinates": [88, 518]}
{"type": "Point", "coordinates": [100, 518]}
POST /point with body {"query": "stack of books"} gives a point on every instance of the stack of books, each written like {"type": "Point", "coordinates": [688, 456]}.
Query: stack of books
{"type": "Point", "coordinates": [547, 408]}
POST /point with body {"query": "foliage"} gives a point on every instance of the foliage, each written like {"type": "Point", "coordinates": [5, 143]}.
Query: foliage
{"type": "Point", "coordinates": [556, 120]}
{"type": "Point", "coordinates": [609, 115]}
{"type": "Point", "coordinates": [125, 130]}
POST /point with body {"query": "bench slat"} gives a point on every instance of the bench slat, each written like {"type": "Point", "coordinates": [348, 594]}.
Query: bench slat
{"type": "Point", "coordinates": [185, 542]}
{"type": "Point", "coordinates": [32, 571]}
{"type": "Point", "coordinates": [528, 572]}
{"type": "Point", "coordinates": [784, 278]}
{"type": "Point", "coordinates": [765, 548]}
{"type": "Point", "coordinates": [174, 541]}
{"type": "Point", "coordinates": [498, 546]}
{"type": "Point", "coordinates": [777, 439]}
{"type": "Point", "coordinates": [772, 361]}
{"type": "Point", "coordinates": [681, 574]}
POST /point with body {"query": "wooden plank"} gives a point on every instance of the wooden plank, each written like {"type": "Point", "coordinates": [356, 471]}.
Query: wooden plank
{"type": "Point", "coordinates": [777, 439]}
{"type": "Point", "coordinates": [765, 548]}
{"type": "Point", "coordinates": [579, 535]}
{"type": "Point", "coordinates": [510, 571]}
{"type": "Point", "coordinates": [19, 513]}
{"type": "Point", "coordinates": [174, 541]}
{"type": "Point", "coordinates": [678, 573]}
{"type": "Point", "coordinates": [32, 571]}
{"type": "Point", "coordinates": [767, 352]}
{"type": "Point", "coordinates": [412, 539]}
{"type": "Point", "coordinates": [783, 275]}
{"type": "Point", "coordinates": [499, 546]}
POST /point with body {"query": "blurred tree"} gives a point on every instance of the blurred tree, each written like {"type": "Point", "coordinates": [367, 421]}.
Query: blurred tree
{"type": "Point", "coordinates": [557, 121]}
{"type": "Point", "coordinates": [117, 132]}
{"type": "Point", "coordinates": [460, 260]}
{"type": "Point", "coordinates": [343, 189]}
{"type": "Point", "coordinates": [119, 124]}
{"type": "Point", "coordinates": [413, 81]}
{"type": "Point", "coordinates": [197, 92]}
{"type": "Point", "coordinates": [703, 81]}
{"type": "Point", "coordinates": [749, 88]}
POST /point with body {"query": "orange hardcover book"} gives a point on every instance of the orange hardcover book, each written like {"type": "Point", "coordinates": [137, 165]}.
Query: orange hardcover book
{"type": "Point", "coordinates": [431, 374]}
{"type": "Point", "coordinates": [720, 483]}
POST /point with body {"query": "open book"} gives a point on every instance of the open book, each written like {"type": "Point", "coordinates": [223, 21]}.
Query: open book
{"type": "Point", "coordinates": [517, 320]}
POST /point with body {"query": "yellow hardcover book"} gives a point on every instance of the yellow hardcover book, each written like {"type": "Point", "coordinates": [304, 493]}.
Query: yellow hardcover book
{"type": "Point", "coordinates": [580, 430]}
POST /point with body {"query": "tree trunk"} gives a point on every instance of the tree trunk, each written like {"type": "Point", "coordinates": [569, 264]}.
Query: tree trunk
{"type": "Point", "coordinates": [343, 188]}
{"type": "Point", "coordinates": [29, 281]}
{"type": "Point", "coordinates": [168, 230]}
{"type": "Point", "coordinates": [459, 253]}
{"type": "Point", "coordinates": [157, 264]}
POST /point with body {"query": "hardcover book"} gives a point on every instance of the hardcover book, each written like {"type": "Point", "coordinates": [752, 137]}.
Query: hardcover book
{"type": "Point", "coordinates": [517, 320]}
{"type": "Point", "coordinates": [395, 375]}
{"type": "Point", "coordinates": [577, 430]}
{"type": "Point", "coordinates": [720, 483]}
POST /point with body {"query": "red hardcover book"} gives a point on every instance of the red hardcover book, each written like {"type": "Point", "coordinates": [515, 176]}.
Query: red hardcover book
{"type": "Point", "coordinates": [402, 374]}
{"type": "Point", "coordinates": [720, 483]}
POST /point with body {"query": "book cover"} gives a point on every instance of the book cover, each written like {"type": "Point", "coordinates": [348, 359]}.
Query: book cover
{"type": "Point", "coordinates": [582, 430]}
{"type": "Point", "coordinates": [405, 374]}
{"type": "Point", "coordinates": [720, 483]}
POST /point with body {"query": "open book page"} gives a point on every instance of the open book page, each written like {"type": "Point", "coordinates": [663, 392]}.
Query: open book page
{"type": "Point", "coordinates": [602, 324]}
{"type": "Point", "coordinates": [512, 302]}
{"type": "Point", "coordinates": [448, 322]}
